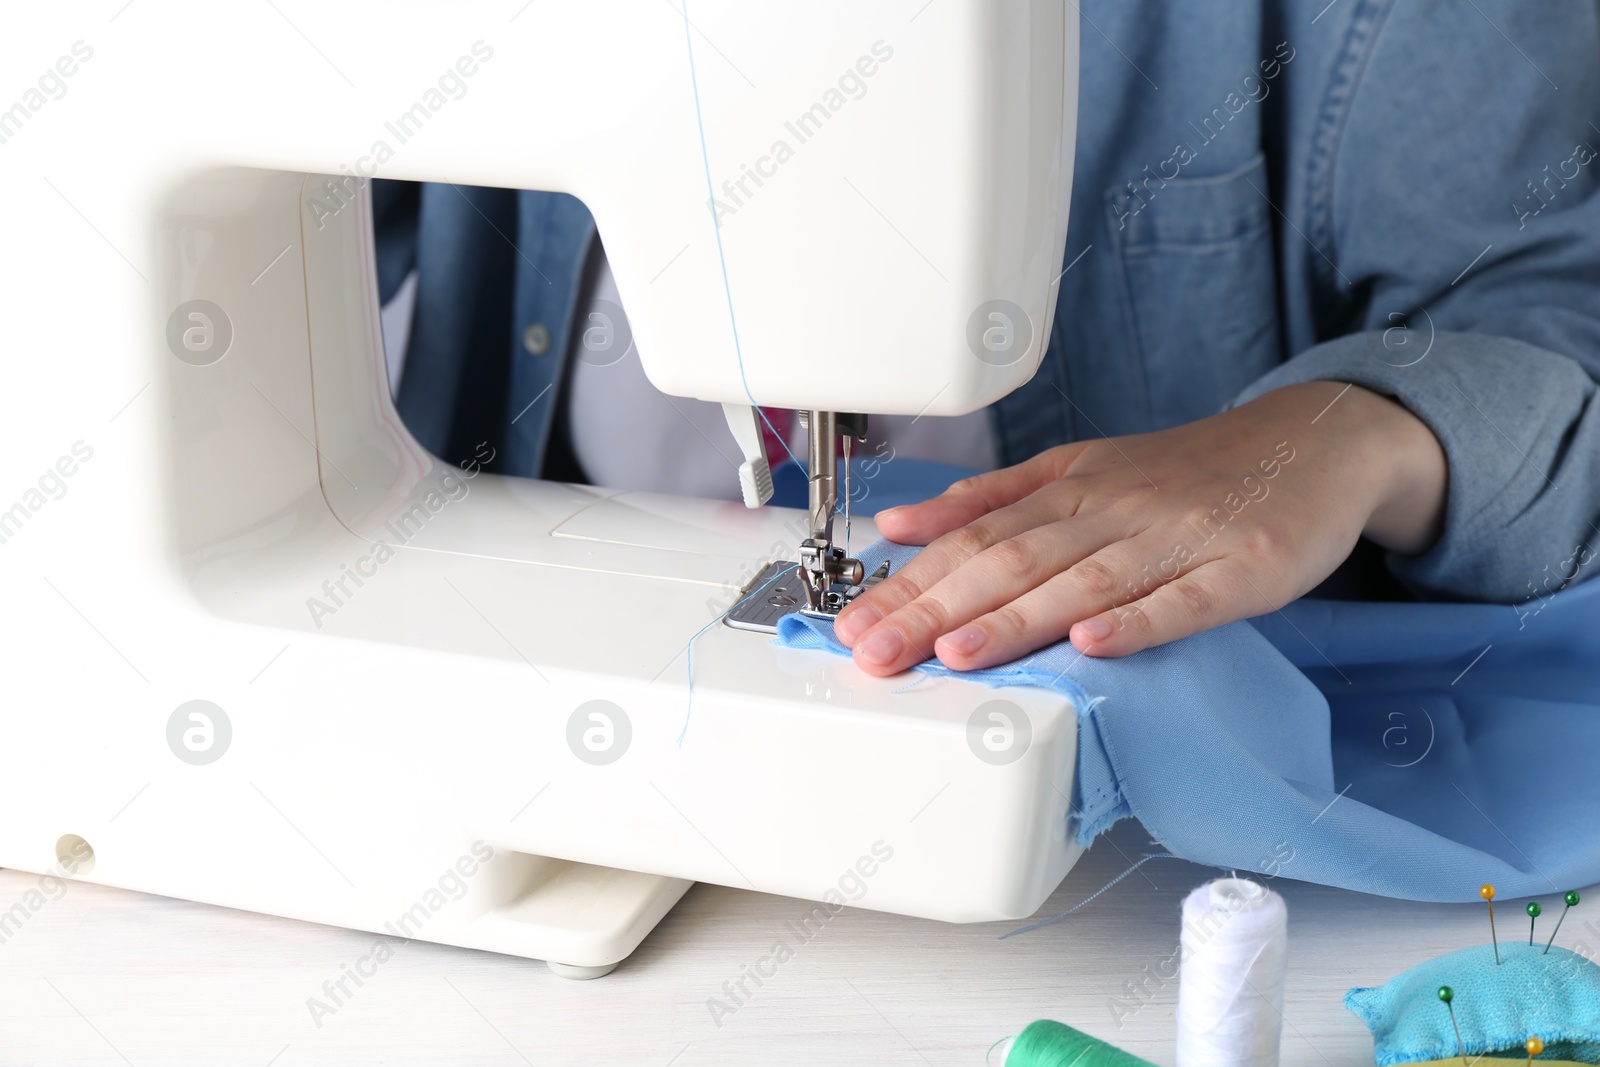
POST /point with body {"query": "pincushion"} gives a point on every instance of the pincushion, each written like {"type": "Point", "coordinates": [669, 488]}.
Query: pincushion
{"type": "Point", "coordinates": [1531, 993]}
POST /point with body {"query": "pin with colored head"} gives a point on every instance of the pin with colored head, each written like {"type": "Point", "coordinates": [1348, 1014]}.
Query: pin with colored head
{"type": "Point", "coordinates": [1571, 899]}
{"type": "Point", "coordinates": [1487, 893]}
{"type": "Point", "coordinates": [1534, 911]}
{"type": "Point", "coordinates": [1534, 1047]}
{"type": "Point", "coordinates": [1447, 994]}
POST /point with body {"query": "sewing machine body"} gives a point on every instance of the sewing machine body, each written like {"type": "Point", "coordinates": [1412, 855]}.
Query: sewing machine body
{"type": "Point", "coordinates": [406, 654]}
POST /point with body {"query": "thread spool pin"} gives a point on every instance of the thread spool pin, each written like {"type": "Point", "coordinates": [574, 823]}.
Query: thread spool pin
{"type": "Point", "coordinates": [1534, 911]}
{"type": "Point", "coordinates": [1487, 893]}
{"type": "Point", "coordinates": [1447, 995]}
{"type": "Point", "coordinates": [1571, 898]}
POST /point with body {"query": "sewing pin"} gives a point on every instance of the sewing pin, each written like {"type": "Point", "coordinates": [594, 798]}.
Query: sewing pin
{"type": "Point", "coordinates": [1487, 893]}
{"type": "Point", "coordinates": [1534, 911]}
{"type": "Point", "coordinates": [1571, 898]}
{"type": "Point", "coordinates": [1534, 1047]}
{"type": "Point", "coordinates": [1446, 994]}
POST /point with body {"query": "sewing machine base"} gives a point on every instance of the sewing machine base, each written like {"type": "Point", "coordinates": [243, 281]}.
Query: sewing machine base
{"type": "Point", "coordinates": [448, 794]}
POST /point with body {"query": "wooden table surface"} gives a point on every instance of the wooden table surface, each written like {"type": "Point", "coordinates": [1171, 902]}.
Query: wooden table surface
{"type": "Point", "coordinates": [104, 976]}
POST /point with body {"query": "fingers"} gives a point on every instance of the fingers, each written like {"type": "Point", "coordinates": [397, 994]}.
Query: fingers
{"type": "Point", "coordinates": [967, 500]}
{"type": "Point", "coordinates": [1210, 595]}
{"type": "Point", "coordinates": [994, 577]}
{"type": "Point", "coordinates": [943, 556]}
{"type": "Point", "coordinates": [1050, 583]}
{"type": "Point", "coordinates": [1046, 613]}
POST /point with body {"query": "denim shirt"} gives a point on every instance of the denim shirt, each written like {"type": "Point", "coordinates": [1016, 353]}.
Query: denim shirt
{"type": "Point", "coordinates": [1399, 195]}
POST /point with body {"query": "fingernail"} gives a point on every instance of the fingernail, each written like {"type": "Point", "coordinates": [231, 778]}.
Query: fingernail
{"type": "Point", "coordinates": [888, 511]}
{"type": "Point", "coordinates": [965, 641]}
{"type": "Point", "coordinates": [882, 647]}
{"type": "Point", "coordinates": [858, 621]}
{"type": "Point", "coordinates": [1095, 629]}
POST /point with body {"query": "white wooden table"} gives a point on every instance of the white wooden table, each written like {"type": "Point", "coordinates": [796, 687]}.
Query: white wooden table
{"type": "Point", "coordinates": [102, 976]}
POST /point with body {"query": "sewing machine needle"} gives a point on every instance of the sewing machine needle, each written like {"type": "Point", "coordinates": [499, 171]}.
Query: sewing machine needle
{"type": "Point", "coordinates": [846, 494]}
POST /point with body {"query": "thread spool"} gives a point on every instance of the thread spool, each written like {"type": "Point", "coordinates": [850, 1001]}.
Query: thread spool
{"type": "Point", "coordinates": [1235, 944]}
{"type": "Point", "coordinates": [1047, 1043]}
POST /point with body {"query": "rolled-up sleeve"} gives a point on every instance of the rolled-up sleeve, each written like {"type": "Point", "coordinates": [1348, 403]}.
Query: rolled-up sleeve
{"type": "Point", "coordinates": [1457, 270]}
{"type": "Point", "coordinates": [1521, 430]}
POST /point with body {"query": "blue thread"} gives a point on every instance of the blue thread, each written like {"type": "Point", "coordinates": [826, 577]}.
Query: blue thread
{"type": "Point", "coordinates": [688, 650]}
{"type": "Point", "coordinates": [716, 228]}
{"type": "Point", "coordinates": [1148, 856]}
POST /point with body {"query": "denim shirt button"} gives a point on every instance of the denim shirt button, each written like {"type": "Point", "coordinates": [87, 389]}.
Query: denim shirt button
{"type": "Point", "coordinates": [536, 339]}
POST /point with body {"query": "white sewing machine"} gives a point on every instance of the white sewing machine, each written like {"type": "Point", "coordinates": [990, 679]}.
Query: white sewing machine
{"type": "Point", "coordinates": [402, 667]}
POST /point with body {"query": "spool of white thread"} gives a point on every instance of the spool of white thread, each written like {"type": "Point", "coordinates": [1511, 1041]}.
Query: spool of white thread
{"type": "Point", "coordinates": [1235, 945]}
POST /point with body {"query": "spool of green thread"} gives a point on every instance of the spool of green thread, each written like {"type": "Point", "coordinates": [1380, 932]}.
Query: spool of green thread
{"type": "Point", "coordinates": [1047, 1043]}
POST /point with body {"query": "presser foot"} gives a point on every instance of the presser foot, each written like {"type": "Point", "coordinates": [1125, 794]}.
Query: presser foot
{"type": "Point", "coordinates": [824, 570]}
{"type": "Point", "coordinates": [781, 589]}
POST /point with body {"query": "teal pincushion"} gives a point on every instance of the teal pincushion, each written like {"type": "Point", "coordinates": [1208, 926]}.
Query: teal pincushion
{"type": "Point", "coordinates": [1554, 996]}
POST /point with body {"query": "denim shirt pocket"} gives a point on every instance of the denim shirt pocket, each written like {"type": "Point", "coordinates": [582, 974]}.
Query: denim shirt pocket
{"type": "Point", "coordinates": [1200, 285]}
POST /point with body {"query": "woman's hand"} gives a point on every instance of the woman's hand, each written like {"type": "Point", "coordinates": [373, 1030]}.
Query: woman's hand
{"type": "Point", "coordinates": [1127, 542]}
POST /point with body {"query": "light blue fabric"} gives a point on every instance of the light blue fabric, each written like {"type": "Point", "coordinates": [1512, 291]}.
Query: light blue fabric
{"type": "Point", "coordinates": [1554, 997]}
{"type": "Point", "coordinates": [1408, 750]}
{"type": "Point", "coordinates": [1044, 670]}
